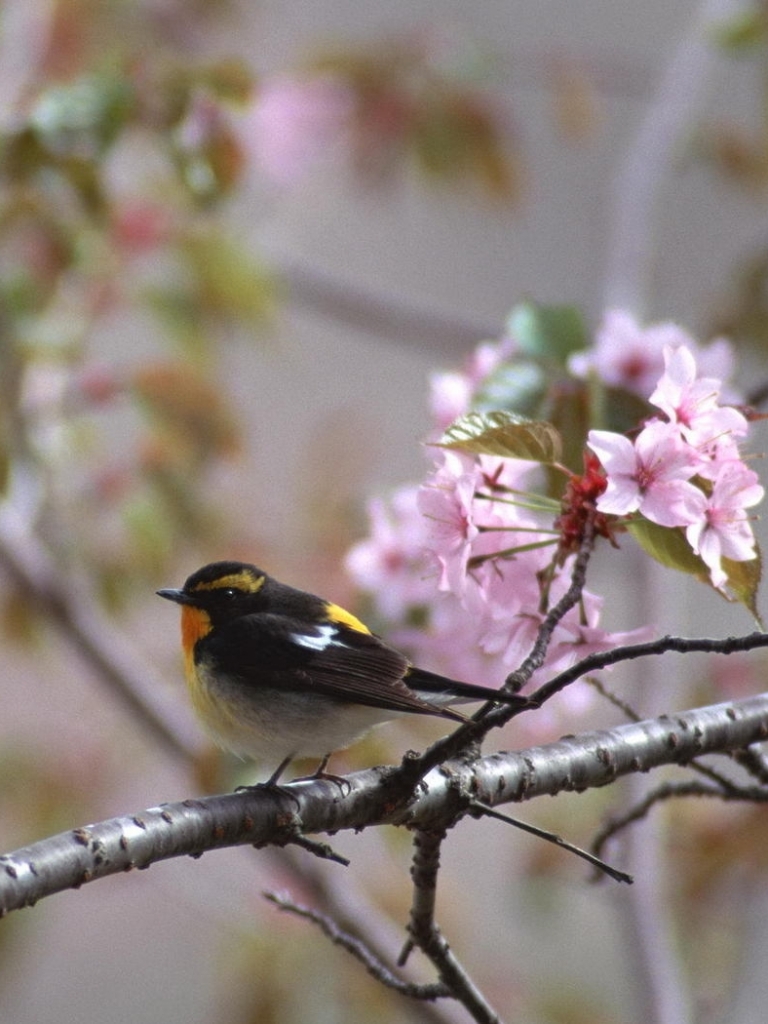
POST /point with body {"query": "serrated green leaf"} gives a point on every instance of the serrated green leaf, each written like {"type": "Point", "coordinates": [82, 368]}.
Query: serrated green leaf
{"type": "Point", "coordinates": [505, 434]}
{"type": "Point", "coordinates": [744, 581]}
{"type": "Point", "coordinates": [548, 332]}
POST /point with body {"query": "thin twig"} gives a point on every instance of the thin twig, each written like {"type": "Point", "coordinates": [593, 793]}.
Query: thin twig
{"type": "Point", "coordinates": [754, 761]}
{"type": "Point", "coordinates": [516, 680]}
{"type": "Point", "coordinates": [626, 709]}
{"type": "Point", "coordinates": [321, 850]}
{"type": "Point", "coordinates": [359, 950]}
{"type": "Point", "coordinates": [663, 645]}
{"type": "Point", "coordinates": [552, 837]}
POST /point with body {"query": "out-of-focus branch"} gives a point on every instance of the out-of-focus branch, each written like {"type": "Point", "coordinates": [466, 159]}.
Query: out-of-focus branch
{"type": "Point", "coordinates": [74, 611]}
{"type": "Point", "coordinates": [275, 816]}
{"type": "Point", "coordinates": [386, 316]}
{"type": "Point", "coordinates": [650, 158]}
{"type": "Point", "coordinates": [674, 791]}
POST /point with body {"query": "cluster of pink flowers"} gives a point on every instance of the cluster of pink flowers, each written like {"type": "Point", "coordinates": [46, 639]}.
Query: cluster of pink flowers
{"type": "Point", "coordinates": [464, 568]}
{"type": "Point", "coordinates": [456, 569]}
{"type": "Point", "coordinates": [685, 470]}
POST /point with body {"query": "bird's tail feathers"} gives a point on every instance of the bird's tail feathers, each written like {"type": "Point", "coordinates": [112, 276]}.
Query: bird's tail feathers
{"type": "Point", "coordinates": [437, 689]}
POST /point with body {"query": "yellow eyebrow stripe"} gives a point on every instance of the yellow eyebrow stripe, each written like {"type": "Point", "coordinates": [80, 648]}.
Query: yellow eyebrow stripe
{"type": "Point", "coordinates": [244, 581]}
{"type": "Point", "coordinates": [338, 614]}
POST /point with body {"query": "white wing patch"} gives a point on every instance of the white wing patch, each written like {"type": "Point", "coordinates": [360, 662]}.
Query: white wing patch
{"type": "Point", "coordinates": [328, 638]}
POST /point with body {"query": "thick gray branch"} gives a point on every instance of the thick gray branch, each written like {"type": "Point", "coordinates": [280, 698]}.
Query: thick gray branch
{"type": "Point", "coordinates": [265, 817]}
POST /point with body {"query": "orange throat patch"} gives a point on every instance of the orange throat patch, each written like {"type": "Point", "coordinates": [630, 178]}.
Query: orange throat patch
{"type": "Point", "coordinates": [195, 624]}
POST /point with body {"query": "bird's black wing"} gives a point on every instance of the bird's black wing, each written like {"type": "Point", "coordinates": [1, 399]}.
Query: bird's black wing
{"type": "Point", "coordinates": [284, 653]}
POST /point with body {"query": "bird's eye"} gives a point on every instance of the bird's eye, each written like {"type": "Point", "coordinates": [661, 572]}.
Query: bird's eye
{"type": "Point", "coordinates": [229, 593]}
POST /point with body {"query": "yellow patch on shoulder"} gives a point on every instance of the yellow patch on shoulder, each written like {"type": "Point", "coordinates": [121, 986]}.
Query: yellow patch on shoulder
{"type": "Point", "coordinates": [245, 581]}
{"type": "Point", "coordinates": [338, 614]}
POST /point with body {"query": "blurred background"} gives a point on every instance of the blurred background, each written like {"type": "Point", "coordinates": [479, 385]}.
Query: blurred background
{"type": "Point", "coordinates": [235, 241]}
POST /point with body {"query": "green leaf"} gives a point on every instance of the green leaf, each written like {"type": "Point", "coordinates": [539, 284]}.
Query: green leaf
{"type": "Point", "coordinates": [668, 545]}
{"type": "Point", "coordinates": [743, 582]}
{"type": "Point", "coordinates": [622, 411]}
{"type": "Point", "coordinates": [505, 434]}
{"type": "Point", "coordinates": [548, 332]}
{"type": "Point", "coordinates": [84, 117]}
{"type": "Point", "coordinates": [516, 385]}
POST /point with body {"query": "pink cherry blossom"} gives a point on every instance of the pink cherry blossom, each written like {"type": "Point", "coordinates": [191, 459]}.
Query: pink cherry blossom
{"type": "Point", "coordinates": [693, 402]}
{"type": "Point", "coordinates": [722, 529]}
{"type": "Point", "coordinates": [650, 476]}
{"type": "Point", "coordinates": [446, 501]}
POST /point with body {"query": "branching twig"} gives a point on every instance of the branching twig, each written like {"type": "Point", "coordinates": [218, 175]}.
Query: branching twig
{"type": "Point", "coordinates": [360, 951]}
{"type": "Point", "coordinates": [425, 935]}
{"type": "Point", "coordinates": [671, 791]}
{"type": "Point", "coordinates": [516, 680]}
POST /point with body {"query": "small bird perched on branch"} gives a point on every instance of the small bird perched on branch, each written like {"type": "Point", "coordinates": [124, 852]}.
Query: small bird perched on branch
{"type": "Point", "coordinates": [277, 674]}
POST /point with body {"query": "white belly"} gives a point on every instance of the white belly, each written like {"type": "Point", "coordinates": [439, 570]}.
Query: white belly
{"type": "Point", "coordinates": [270, 725]}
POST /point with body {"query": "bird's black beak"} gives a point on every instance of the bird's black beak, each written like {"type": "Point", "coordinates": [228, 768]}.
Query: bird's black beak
{"type": "Point", "coordinates": [174, 595]}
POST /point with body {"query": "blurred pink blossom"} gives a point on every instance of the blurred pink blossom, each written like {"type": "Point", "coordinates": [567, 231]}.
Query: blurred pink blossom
{"type": "Point", "coordinates": [451, 392]}
{"type": "Point", "coordinates": [629, 356]}
{"type": "Point", "coordinates": [295, 123]}
{"type": "Point", "coordinates": [391, 562]}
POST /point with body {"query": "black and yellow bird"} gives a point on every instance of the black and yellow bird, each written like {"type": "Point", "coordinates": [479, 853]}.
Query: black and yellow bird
{"type": "Point", "coordinates": [277, 674]}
